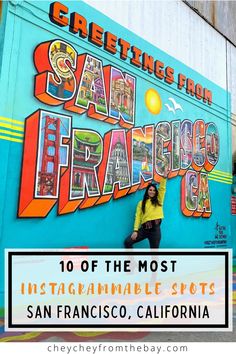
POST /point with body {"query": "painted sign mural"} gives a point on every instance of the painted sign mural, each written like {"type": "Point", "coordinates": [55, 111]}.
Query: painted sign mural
{"type": "Point", "coordinates": [96, 167]}
{"type": "Point", "coordinates": [91, 115]}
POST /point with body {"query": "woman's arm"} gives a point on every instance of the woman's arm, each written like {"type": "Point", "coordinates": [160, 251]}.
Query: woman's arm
{"type": "Point", "coordinates": [138, 216]}
{"type": "Point", "coordinates": [162, 191]}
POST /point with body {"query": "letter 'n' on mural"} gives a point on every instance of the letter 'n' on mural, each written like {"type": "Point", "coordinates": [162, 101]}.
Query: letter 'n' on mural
{"type": "Point", "coordinates": [121, 92]}
{"type": "Point", "coordinates": [44, 158]}
{"type": "Point", "coordinates": [91, 93]}
{"type": "Point", "coordinates": [55, 82]}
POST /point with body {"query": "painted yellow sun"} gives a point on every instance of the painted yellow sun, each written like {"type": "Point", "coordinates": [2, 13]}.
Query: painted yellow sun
{"type": "Point", "coordinates": [153, 101]}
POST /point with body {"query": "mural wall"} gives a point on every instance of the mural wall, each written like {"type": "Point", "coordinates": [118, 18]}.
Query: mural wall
{"type": "Point", "coordinates": [91, 114]}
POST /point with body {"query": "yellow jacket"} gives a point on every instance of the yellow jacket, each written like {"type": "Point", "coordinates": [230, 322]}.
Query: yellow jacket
{"type": "Point", "coordinates": [152, 212]}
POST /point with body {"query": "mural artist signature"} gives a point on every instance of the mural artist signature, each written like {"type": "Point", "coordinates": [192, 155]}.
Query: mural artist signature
{"type": "Point", "coordinates": [220, 238]}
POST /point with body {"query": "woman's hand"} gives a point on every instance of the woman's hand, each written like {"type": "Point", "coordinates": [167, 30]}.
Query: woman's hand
{"type": "Point", "coordinates": [134, 235]}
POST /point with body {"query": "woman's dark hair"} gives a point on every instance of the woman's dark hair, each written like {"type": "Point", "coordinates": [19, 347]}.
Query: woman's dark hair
{"type": "Point", "coordinates": [154, 200]}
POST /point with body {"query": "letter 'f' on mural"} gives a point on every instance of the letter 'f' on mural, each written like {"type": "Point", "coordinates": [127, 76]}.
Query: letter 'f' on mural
{"type": "Point", "coordinates": [45, 155]}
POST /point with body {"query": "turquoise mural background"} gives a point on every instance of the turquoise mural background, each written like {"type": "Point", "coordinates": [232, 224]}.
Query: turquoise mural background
{"type": "Point", "coordinates": [25, 25]}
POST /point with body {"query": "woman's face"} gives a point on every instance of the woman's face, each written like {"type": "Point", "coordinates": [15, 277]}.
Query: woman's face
{"type": "Point", "coordinates": [151, 192]}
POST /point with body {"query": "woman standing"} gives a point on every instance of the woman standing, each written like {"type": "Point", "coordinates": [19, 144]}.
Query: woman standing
{"type": "Point", "coordinates": [149, 215]}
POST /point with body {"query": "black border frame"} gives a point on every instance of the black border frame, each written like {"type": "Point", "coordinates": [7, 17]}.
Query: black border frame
{"type": "Point", "coordinates": [103, 253]}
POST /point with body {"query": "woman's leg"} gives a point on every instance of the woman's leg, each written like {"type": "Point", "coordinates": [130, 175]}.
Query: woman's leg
{"type": "Point", "coordinates": [141, 236]}
{"type": "Point", "coordinates": [155, 237]}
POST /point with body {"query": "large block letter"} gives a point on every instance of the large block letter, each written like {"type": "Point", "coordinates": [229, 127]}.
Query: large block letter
{"type": "Point", "coordinates": [189, 186]}
{"type": "Point", "coordinates": [162, 149]}
{"type": "Point", "coordinates": [91, 93]}
{"type": "Point", "coordinates": [55, 62]}
{"type": "Point", "coordinates": [212, 146]}
{"type": "Point", "coordinates": [198, 145]}
{"type": "Point", "coordinates": [175, 149]}
{"type": "Point", "coordinates": [186, 151]}
{"type": "Point", "coordinates": [121, 91]}
{"type": "Point", "coordinates": [117, 175]}
{"type": "Point", "coordinates": [142, 154]}
{"type": "Point", "coordinates": [79, 185]}
{"type": "Point", "coordinates": [44, 157]}
{"type": "Point", "coordinates": [204, 203]}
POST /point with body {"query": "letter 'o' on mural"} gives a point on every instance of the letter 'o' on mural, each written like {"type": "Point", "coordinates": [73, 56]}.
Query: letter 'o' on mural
{"type": "Point", "coordinates": [153, 101]}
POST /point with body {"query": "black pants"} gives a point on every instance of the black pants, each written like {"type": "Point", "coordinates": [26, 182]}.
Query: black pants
{"type": "Point", "coordinates": [153, 235]}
